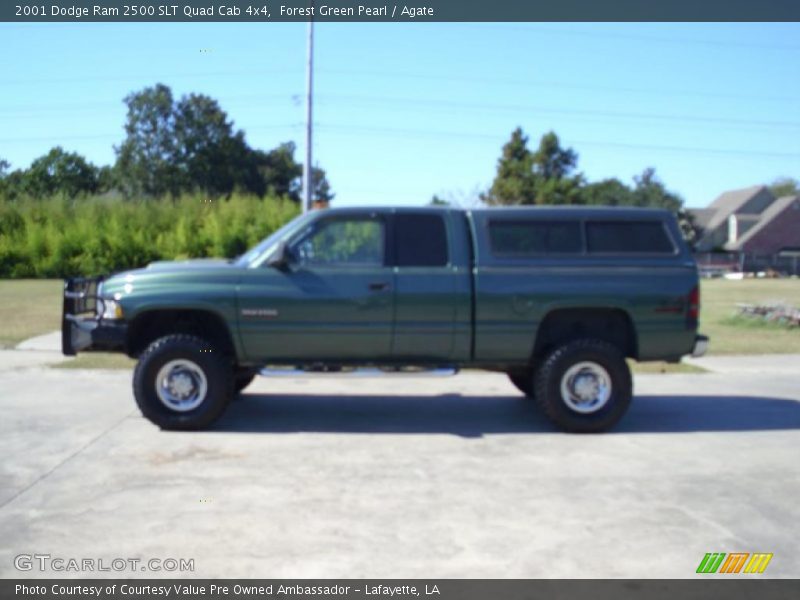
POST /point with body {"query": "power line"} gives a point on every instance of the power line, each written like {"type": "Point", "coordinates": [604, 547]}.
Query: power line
{"type": "Point", "coordinates": [119, 105]}
{"type": "Point", "coordinates": [257, 70]}
{"type": "Point", "coordinates": [529, 82]}
{"type": "Point", "coordinates": [524, 82]}
{"type": "Point", "coordinates": [149, 76]}
{"type": "Point", "coordinates": [405, 103]}
{"type": "Point", "coordinates": [567, 111]}
{"type": "Point", "coordinates": [555, 30]}
{"type": "Point", "coordinates": [349, 130]}
{"type": "Point", "coordinates": [99, 136]}
{"type": "Point", "coordinates": [545, 28]}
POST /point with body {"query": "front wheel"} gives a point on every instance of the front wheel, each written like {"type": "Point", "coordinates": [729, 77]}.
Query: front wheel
{"type": "Point", "coordinates": [181, 382]}
{"type": "Point", "coordinates": [584, 386]}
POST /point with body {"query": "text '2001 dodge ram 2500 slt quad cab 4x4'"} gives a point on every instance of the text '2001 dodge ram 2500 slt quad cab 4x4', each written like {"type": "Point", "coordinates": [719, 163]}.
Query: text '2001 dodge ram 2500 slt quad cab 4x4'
{"type": "Point", "coordinates": [557, 298]}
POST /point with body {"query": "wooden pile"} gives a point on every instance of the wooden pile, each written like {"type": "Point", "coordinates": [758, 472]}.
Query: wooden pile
{"type": "Point", "coordinates": [779, 313]}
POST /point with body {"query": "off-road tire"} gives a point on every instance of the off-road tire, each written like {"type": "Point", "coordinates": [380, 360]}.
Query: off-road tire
{"type": "Point", "coordinates": [547, 386]}
{"type": "Point", "coordinates": [523, 381]}
{"type": "Point", "coordinates": [216, 368]}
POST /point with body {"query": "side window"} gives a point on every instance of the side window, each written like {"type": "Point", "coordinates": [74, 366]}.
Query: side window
{"type": "Point", "coordinates": [529, 238]}
{"type": "Point", "coordinates": [420, 240]}
{"type": "Point", "coordinates": [629, 237]}
{"type": "Point", "coordinates": [353, 242]}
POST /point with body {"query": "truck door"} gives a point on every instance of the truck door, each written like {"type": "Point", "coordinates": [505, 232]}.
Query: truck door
{"type": "Point", "coordinates": [333, 301]}
{"type": "Point", "coordinates": [431, 289]}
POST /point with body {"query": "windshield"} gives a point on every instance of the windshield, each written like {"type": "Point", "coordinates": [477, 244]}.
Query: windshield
{"type": "Point", "coordinates": [256, 255]}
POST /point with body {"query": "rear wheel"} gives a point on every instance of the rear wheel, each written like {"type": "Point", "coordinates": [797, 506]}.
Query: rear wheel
{"type": "Point", "coordinates": [584, 386]}
{"type": "Point", "coordinates": [181, 382]}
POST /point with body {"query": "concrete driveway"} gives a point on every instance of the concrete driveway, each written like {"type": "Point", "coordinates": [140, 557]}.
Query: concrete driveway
{"type": "Point", "coordinates": [400, 477]}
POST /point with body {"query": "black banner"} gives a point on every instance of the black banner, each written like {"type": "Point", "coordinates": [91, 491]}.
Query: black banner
{"type": "Point", "coordinates": [730, 588]}
{"type": "Point", "coordinates": [413, 11]}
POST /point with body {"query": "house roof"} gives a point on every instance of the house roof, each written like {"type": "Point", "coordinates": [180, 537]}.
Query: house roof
{"type": "Point", "coordinates": [748, 218]}
{"type": "Point", "coordinates": [769, 214]}
{"type": "Point", "coordinates": [702, 216]}
{"type": "Point", "coordinates": [735, 198]}
{"type": "Point", "coordinates": [730, 202]}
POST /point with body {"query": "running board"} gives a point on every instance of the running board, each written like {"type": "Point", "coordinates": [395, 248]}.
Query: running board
{"type": "Point", "coordinates": [344, 372]}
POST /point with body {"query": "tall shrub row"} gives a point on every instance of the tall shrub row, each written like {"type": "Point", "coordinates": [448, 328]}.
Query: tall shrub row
{"type": "Point", "coordinates": [57, 237]}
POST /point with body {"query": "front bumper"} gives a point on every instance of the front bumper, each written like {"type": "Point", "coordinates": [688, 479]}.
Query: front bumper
{"type": "Point", "coordinates": [82, 330]}
{"type": "Point", "coordinates": [700, 346]}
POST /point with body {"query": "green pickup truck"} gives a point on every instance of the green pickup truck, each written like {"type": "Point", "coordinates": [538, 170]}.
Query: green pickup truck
{"type": "Point", "coordinates": [556, 297]}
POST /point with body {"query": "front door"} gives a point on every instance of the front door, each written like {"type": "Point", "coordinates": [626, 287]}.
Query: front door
{"type": "Point", "coordinates": [333, 301]}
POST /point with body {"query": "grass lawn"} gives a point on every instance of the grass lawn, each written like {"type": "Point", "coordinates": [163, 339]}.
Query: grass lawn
{"type": "Point", "coordinates": [28, 307]}
{"type": "Point", "coordinates": [33, 307]}
{"type": "Point", "coordinates": [97, 360]}
{"type": "Point", "coordinates": [739, 336]}
{"type": "Point", "coordinates": [664, 367]}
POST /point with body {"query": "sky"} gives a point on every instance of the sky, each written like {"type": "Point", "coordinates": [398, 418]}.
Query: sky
{"type": "Point", "coordinates": [404, 111]}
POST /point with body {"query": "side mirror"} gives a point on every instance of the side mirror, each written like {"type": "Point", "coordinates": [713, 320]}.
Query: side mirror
{"type": "Point", "coordinates": [283, 257]}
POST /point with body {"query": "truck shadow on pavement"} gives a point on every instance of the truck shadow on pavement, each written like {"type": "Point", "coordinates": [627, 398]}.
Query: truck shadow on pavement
{"type": "Point", "coordinates": [474, 416]}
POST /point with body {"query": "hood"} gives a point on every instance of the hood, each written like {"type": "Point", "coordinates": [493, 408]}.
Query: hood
{"type": "Point", "coordinates": [193, 264]}
{"type": "Point", "coordinates": [166, 276]}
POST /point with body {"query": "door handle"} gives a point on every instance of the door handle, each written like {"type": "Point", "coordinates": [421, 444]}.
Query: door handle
{"type": "Point", "coordinates": [378, 286]}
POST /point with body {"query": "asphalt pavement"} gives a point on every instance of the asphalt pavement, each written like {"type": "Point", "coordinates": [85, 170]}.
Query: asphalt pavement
{"type": "Point", "coordinates": [401, 477]}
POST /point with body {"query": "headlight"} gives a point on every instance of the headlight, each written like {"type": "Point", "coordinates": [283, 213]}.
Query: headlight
{"type": "Point", "coordinates": [111, 310]}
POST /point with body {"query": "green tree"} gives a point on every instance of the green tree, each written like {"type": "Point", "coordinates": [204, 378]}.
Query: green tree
{"type": "Point", "coordinates": [545, 176]}
{"type": "Point", "coordinates": [649, 191]}
{"type": "Point", "coordinates": [172, 147]}
{"type": "Point", "coordinates": [59, 171]}
{"type": "Point", "coordinates": [278, 171]}
{"type": "Point", "coordinates": [320, 187]}
{"type": "Point", "coordinates": [211, 157]}
{"type": "Point", "coordinates": [608, 192]}
{"type": "Point", "coordinates": [106, 179]}
{"type": "Point", "coordinates": [146, 160]}
{"type": "Point", "coordinates": [4, 166]}
{"type": "Point", "coordinates": [554, 168]}
{"type": "Point", "coordinates": [12, 184]}
{"type": "Point", "coordinates": [785, 186]}
{"type": "Point", "coordinates": [281, 175]}
{"type": "Point", "coordinates": [190, 145]}
{"type": "Point", "coordinates": [514, 182]}
{"type": "Point", "coordinates": [551, 161]}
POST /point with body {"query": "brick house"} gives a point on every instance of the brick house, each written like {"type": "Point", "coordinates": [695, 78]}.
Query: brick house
{"type": "Point", "coordinates": [751, 221]}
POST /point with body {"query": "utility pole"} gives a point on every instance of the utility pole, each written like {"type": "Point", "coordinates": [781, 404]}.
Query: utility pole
{"type": "Point", "coordinates": [307, 165]}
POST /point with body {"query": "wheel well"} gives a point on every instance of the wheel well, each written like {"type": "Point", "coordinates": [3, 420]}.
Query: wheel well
{"type": "Point", "coordinates": [608, 324]}
{"type": "Point", "coordinates": [151, 325]}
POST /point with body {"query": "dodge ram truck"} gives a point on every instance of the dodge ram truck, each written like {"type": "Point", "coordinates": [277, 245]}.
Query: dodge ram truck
{"type": "Point", "coordinates": [555, 297]}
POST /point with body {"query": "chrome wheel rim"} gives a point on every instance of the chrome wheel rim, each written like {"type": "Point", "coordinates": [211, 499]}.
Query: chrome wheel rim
{"type": "Point", "coordinates": [586, 387]}
{"type": "Point", "coordinates": [181, 385]}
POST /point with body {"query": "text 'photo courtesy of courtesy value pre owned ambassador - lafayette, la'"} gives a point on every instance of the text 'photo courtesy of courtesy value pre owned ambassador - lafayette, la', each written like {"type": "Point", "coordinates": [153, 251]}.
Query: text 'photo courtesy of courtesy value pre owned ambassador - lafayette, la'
{"type": "Point", "coordinates": [557, 298]}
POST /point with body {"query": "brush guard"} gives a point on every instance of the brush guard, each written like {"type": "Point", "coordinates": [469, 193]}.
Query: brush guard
{"type": "Point", "coordinates": [82, 326]}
